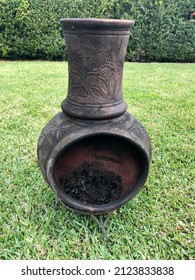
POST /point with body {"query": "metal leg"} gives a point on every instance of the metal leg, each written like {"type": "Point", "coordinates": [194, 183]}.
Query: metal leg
{"type": "Point", "coordinates": [56, 204]}
{"type": "Point", "coordinates": [102, 226]}
{"type": "Point", "coordinates": [147, 190]}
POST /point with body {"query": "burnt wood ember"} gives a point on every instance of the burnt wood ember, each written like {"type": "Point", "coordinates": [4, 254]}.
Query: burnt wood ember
{"type": "Point", "coordinates": [91, 184]}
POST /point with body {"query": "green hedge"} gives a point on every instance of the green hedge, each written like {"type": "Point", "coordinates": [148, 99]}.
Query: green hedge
{"type": "Point", "coordinates": [30, 29]}
{"type": "Point", "coordinates": [162, 32]}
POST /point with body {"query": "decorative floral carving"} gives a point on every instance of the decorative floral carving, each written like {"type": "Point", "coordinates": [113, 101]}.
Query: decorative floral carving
{"type": "Point", "coordinates": [93, 85]}
{"type": "Point", "coordinates": [137, 128]}
{"type": "Point", "coordinates": [95, 68]}
{"type": "Point", "coordinates": [94, 50]}
{"type": "Point", "coordinates": [73, 45]}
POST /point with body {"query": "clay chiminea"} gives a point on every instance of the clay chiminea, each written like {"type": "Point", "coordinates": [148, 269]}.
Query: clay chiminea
{"type": "Point", "coordinates": [94, 154]}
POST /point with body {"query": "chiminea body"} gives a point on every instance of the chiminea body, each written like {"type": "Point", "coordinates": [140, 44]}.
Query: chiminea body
{"type": "Point", "coordinates": [94, 154]}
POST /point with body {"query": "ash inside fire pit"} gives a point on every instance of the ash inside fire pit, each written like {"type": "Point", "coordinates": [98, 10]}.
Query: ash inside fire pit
{"type": "Point", "coordinates": [92, 185]}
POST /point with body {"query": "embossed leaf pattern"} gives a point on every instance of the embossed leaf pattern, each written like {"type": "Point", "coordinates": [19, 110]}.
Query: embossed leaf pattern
{"type": "Point", "coordinates": [112, 74]}
{"type": "Point", "coordinates": [92, 86]}
{"type": "Point", "coordinates": [78, 57]}
{"type": "Point", "coordinates": [76, 87]}
{"type": "Point", "coordinates": [74, 52]}
{"type": "Point", "coordinates": [137, 129]}
{"type": "Point", "coordinates": [104, 85]}
{"type": "Point", "coordinates": [93, 48]}
{"type": "Point", "coordinates": [100, 74]}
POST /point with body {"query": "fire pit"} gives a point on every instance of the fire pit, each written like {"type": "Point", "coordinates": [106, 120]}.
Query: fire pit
{"type": "Point", "coordinates": [94, 154]}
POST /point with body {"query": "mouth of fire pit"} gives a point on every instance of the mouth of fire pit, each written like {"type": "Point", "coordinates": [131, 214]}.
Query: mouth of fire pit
{"type": "Point", "coordinates": [98, 171]}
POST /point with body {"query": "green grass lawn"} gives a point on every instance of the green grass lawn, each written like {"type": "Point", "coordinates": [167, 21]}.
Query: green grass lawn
{"type": "Point", "coordinates": [157, 224]}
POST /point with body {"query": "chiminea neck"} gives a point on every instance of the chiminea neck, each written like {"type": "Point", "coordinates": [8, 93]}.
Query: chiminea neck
{"type": "Point", "coordinates": [96, 52]}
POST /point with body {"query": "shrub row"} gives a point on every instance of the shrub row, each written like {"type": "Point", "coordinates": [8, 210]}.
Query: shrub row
{"type": "Point", "coordinates": [30, 29]}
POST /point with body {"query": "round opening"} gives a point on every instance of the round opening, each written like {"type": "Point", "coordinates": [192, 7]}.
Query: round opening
{"type": "Point", "coordinates": [98, 170]}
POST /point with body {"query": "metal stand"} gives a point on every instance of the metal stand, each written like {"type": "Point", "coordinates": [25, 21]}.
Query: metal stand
{"type": "Point", "coordinates": [56, 204]}
{"type": "Point", "coordinates": [102, 227]}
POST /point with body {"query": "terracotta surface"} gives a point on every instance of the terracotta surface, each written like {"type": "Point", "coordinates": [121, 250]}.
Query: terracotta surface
{"type": "Point", "coordinates": [94, 126]}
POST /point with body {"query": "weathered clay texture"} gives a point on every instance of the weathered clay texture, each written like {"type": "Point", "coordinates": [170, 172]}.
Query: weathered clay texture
{"type": "Point", "coordinates": [94, 128]}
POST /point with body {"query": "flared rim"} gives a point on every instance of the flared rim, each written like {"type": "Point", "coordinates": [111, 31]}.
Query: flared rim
{"type": "Point", "coordinates": [96, 24]}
